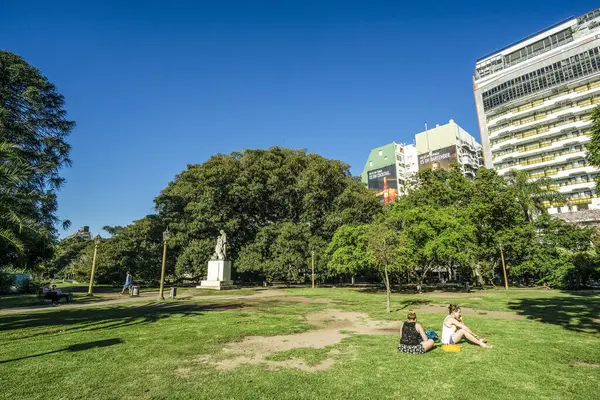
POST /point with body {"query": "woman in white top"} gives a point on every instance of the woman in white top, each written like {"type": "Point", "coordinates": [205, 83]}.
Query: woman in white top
{"type": "Point", "coordinates": [453, 330]}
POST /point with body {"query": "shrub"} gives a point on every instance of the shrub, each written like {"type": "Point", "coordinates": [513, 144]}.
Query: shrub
{"type": "Point", "coordinates": [6, 281]}
{"type": "Point", "coordinates": [30, 286]}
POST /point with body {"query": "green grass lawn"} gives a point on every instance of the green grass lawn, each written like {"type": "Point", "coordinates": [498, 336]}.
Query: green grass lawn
{"type": "Point", "coordinates": [155, 350]}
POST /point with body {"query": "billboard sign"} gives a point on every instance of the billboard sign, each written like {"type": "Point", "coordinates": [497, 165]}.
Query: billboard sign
{"type": "Point", "coordinates": [438, 159]}
{"type": "Point", "coordinates": [384, 182]}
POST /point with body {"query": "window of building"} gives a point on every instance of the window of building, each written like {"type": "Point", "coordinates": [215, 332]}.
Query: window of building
{"type": "Point", "coordinates": [380, 153]}
{"type": "Point", "coordinates": [370, 163]}
{"type": "Point", "coordinates": [558, 73]}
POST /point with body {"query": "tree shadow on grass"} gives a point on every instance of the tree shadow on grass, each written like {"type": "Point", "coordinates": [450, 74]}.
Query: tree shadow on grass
{"type": "Point", "coordinates": [72, 348]}
{"type": "Point", "coordinates": [413, 304]}
{"type": "Point", "coordinates": [90, 319]}
{"type": "Point", "coordinates": [581, 314]}
{"type": "Point", "coordinates": [412, 289]}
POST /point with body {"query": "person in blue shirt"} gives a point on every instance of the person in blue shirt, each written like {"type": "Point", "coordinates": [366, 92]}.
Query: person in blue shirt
{"type": "Point", "coordinates": [128, 282]}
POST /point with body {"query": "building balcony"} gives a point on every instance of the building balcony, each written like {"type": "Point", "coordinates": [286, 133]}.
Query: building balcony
{"type": "Point", "coordinates": [545, 162]}
{"type": "Point", "coordinates": [581, 124]}
{"type": "Point", "coordinates": [543, 148]}
{"type": "Point", "coordinates": [575, 94]}
{"type": "Point", "coordinates": [563, 112]}
{"type": "Point", "coordinates": [576, 186]}
{"type": "Point", "coordinates": [466, 160]}
{"type": "Point", "coordinates": [574, 170]}
{"type": "Point", "coordinates": [556, 145]}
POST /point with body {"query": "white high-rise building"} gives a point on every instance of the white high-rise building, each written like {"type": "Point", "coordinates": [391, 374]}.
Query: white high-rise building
{"type": "Point", "coordinates": [534, 100]}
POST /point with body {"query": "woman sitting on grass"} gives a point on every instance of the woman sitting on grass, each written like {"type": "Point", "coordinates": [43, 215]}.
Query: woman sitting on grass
{"type": "Point", "coordinates": [412, 336]}
{"type": "Point", "coordinates": [453, 329]}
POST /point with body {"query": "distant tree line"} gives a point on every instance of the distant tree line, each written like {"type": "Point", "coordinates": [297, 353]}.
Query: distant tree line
{"type": "Point", "coordinates": [278, 206]}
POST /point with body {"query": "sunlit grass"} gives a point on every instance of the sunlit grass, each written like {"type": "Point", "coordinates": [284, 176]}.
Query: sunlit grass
{"type": "Point", "coordinates": [152, 350]}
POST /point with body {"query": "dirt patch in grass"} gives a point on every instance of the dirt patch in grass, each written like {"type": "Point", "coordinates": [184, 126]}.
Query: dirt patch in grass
{"type": "Point", "coordinates": [585, 364]}
{"type": "Point", "coordinates": [452, 295]}
{"type": "Point", "coordinates": [443, 309]}
{"type": "Point", "coordinates": [183, 372]}
{"type": "Point", "coordinates": [308, 300]}
{"type": "Point", "coordinates": [333, 326]}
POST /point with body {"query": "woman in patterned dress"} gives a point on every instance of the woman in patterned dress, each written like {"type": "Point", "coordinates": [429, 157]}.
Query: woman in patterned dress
{"type": "Point", "coordinates": [413, 339]}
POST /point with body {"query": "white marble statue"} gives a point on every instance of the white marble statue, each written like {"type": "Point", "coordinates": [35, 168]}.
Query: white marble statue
{"type": "Point", "coordinates": [221, 247]}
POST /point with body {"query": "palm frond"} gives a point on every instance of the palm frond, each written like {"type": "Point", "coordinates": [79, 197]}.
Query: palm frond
{"type": "Point", "coordinates": [11, 240]}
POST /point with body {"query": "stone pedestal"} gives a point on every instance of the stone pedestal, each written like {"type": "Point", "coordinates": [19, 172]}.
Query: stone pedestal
{"type": "Point", "coordinates": [218, 276]}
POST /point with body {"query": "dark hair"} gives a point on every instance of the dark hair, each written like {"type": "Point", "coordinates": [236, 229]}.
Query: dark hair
{"type": "Point", "coordinates": [452, 308]}
{"type": "Point", "coordinates": [412, 315]}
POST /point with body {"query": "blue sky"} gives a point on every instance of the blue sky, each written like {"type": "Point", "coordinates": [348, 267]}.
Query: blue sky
{"type": "Point", "coordinates": [155, 86]}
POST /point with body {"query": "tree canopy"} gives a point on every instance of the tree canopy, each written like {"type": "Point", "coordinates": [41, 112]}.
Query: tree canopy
{"type": "Point", "coordinates": [33, 132]}
{"type": "Point", "coordinates": [256, 196]}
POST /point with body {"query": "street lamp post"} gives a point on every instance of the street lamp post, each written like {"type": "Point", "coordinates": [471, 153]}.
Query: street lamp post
{"type": "Point", "coordinates": [166, 235]}
{"type": "Point", "coordinates": [91, 288]}
{"type": "Point", "coordinates": [504, 268]}
{"type": "Point", "coordinates": [312, 253]}
{"type": "Point", "coordinates": [312, 256]}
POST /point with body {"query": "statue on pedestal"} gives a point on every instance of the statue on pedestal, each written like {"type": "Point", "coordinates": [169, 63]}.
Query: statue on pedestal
{"type": "Point", "coordinates": [221, 247]}
{"type": "Point", "coordinates": [218, 275]}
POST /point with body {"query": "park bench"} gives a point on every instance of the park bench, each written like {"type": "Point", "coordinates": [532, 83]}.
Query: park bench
{"type": "Point", "coordinates": [44, 296]}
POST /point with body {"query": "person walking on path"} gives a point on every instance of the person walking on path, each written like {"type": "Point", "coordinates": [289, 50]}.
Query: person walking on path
{"type": "Point", "coordinates": [128, 283]}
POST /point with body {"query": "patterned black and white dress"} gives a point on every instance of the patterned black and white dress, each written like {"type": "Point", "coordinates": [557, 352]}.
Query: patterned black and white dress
{"type": "Point", "coordinates": [411, 339]}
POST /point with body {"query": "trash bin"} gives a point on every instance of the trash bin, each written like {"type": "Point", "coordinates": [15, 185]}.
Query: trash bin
{"type": "Point", "coordinates": [173, 292]}
{"type": "Point", "coordinates": [135, 290]}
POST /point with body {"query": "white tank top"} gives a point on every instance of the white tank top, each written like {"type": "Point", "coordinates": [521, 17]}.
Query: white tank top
{"type": "Point", "coordinates": [447, 331]}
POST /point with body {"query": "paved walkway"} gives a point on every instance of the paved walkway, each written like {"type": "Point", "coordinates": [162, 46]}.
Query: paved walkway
{"type": "Point", "coordinates": [144, 297]}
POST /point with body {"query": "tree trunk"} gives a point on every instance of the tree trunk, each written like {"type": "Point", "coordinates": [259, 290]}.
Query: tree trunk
{"type": "Point", "coordinates": [352, 279]}
{"type": "Point", "coordinates": [421, 278]}
{"type": "Point", "coordinates": [387, 287]}
{"type": "Point", "coordinates": [477, 272]}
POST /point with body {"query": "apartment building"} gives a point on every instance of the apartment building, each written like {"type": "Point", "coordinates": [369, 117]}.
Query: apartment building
{"type": "Point", "coordinates": [389, 168]}
{"type": "Point", "coordinates": [446, 144]}
{"type": "Point", "coordinates": [534, 100]}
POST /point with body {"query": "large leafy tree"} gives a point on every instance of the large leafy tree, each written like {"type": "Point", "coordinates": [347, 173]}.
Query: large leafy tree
{"type": "Point", "coordinates": [560, 255]}
{"type": "Point", "coordinates": [13, 172]}
{"type": "Point", "coordinates": [244, 193]}
{"type": "Point", "coordinates": [281, 251]}
{"type": "Point", "coordinates": [593, 146]}
{"type": "Point", "coordinates": [67, 252]}
{"type": "Point", "coordinates": [461, 210]}
{"type": "Point", "coordinates": [384, 249]}
{"type": "Point", "coordinates": [136, 248]}
{"type": "Point", "coordinates": [434, 237]}
{"type": "Point", "coordinates": [32, 119]}
{"type": "Point", "coordinates": [532, 194]}
{"type": "Point", "coordinates": [347, 251]}
{"type": "Point", "coordinates": [499, 223]}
